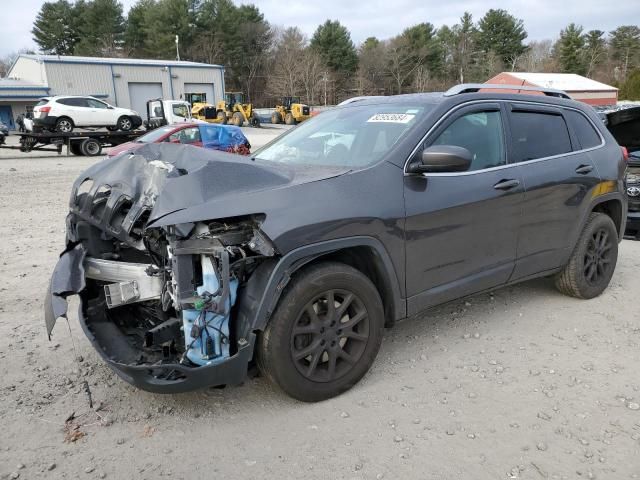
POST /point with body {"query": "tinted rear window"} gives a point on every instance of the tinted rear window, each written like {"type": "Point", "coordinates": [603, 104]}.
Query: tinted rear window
{"type": "Point", "coordinates": [73, 102]}
{"type": "Point", "coordinates": [42, 102]}
{"type": "Point", "coordinates": [538, 135]}
{"type": "Point", "coordinates": [584, 130]}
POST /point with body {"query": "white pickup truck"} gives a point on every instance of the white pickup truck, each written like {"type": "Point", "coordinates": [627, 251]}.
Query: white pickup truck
{"type": "Point", "coordinates": [168, 112]}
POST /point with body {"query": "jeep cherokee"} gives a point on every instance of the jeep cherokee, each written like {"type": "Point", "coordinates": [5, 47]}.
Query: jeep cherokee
{"type": "Point", "coordinates": [192, 264]}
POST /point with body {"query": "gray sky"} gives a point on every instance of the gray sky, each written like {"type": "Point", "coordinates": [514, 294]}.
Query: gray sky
{"type": "Point", "coordinates": [380, 18]}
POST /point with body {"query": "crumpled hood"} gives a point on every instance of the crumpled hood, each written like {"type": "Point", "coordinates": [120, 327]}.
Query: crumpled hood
{"type": "Point", "coordinates": [171, 178]}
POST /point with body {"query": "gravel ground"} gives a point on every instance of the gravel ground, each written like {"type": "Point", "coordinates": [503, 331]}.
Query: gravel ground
{"type": "Point", "coordinates": [524, 383]}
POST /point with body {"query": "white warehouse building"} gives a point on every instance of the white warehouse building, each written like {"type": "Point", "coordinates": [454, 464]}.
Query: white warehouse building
{"type": "Point", "coordinates": [123, 82]}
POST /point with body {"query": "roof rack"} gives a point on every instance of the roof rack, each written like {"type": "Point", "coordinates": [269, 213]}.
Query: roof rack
{"type": "Point", "coordinates": [475, 87]}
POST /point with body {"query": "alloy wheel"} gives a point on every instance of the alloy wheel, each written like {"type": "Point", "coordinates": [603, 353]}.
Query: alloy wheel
{"type": "Point", "coordinates": [330, 335]}
{"type": "Point", "coordinates": [125, 124]}
{"type": "Point", "coordinates": [64, 126]}
{"type": "Point", "coordinates": [597, 257]}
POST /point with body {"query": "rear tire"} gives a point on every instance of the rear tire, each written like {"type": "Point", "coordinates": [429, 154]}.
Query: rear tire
{"type": "Point", "coordinates": [222, 117]}
{"type": "Point", "coordinates": [342, 340]}
{"type": "Point", "coordinates": [90, 147]}
{"type": "Point", "coordinates": [289, 119]}
{"type": "Point", "coordinates": [64, 125]}
{"type": "Point", "coordinates": [75, 148]}
{"type": "Point", "coordinates": [593, 260]}
{"type": "Point", "coordinates": [125, 124]}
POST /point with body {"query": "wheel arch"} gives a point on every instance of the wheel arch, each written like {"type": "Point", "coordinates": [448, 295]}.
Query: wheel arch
{"type": "Point", "coordinates": [613, 206]}
{"type": "Point", "coordinates": [260, 297]}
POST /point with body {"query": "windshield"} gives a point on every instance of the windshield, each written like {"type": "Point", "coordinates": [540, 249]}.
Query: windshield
{"type": "Point", "coordinates": [356, 136]}
{"type": "Point", "coordinates": [155, 135]}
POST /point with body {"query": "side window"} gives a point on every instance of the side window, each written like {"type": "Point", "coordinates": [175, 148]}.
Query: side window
{"type": "Point", "coordinates": [583, 129]}
{"type": "Point", "coordinates": [74, 102]}
{"type": "Point", "coordinates": [538, 135]}
{"type": "Point", "coordinates": [65, 101]}
{"type": "Point", "coordinates": [186, 135]}
{"type": "Point", "coordinates": [96, 103]}
{"type": "Point", "coordinates": [479, 132]}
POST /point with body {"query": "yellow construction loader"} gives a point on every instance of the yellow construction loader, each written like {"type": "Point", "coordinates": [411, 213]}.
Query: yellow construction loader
{"type": "Point", "coordinates": [232, 109]}
{"type": "Point", "coordinates": [291, 111]}
{"type": "Point", "coordinates": [238, 111]}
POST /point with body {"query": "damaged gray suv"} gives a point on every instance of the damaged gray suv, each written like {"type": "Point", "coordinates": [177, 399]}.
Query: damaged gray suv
{"type": "Point", "coordinates": [192, 265]}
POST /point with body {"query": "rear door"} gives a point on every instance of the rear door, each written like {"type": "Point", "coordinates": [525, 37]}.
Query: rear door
{"type": "Point", "coordinates": [559, 178]}
{"type": "Point", "coordinates": [73, 108]}
{"type": "Point", "coordinates": [462, 227]}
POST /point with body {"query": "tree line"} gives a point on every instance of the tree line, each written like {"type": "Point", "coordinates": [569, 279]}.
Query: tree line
{"type": "Point", "coordinates": [267, 61]}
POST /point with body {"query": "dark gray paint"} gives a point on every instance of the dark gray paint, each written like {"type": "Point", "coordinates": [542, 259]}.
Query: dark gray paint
{"type": "Point", "coordinates": [439, 236]}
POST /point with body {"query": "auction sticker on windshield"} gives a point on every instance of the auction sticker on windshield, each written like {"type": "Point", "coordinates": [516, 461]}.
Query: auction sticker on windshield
{"type": "Point", "coordinates": [392, 117]}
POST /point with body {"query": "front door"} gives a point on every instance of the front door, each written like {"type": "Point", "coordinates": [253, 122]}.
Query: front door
{"type": "Point", "coordinates": [100, 115]}
{"type": "Point", "coordinates": [462, 228]}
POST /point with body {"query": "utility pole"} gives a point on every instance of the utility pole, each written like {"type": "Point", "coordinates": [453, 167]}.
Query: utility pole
{"type": "Point", "coordinates": [324, 78]}
{"type": "Point", "coordinates": [177, 48]}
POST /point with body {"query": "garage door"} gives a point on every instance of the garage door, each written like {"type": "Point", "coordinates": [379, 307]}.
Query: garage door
{"type": "Point", "coordinates": [206, 88]}
{"type": "Point", "coordinates": [139, 93]}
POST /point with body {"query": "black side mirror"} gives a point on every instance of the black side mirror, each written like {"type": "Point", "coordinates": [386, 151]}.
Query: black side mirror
{"type": "Point", "coordinates": [443, 158]}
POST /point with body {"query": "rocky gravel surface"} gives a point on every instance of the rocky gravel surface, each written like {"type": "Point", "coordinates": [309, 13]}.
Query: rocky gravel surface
{"type": "Point", "coordinates": [523, 383]}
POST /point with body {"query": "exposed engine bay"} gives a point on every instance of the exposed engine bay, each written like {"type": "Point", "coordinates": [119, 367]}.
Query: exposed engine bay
{"type": "Point", "coordinates": [172, 302]}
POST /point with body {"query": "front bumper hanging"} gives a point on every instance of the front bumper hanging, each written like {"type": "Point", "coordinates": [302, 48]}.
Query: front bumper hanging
{"type": "Point", "coordinates": [68, 279]}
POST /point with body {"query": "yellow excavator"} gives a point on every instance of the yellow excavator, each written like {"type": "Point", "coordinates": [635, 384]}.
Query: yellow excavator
{"type": "Point", "coordinates": [291, 111]}
{"type": "Point", "coordinates": [232, 109]}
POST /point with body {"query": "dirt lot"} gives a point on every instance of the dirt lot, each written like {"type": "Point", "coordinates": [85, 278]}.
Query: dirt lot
{"type": "Point", "coordinates": [524, 383]}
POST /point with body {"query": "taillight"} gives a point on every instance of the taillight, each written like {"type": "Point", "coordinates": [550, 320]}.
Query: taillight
{"type": "Point", "coordinates": [625, 154]}
{"type": "Point", "coordinates": [48, 109]}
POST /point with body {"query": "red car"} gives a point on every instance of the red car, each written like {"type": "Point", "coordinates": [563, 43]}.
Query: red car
{"type": "Point", "coordinates": [208, 135]}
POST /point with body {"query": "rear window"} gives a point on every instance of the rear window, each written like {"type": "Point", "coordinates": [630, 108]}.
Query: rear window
{"type": "Point", "coordinates": [538, 135]}
{"type": "Point", "coordinates": [42, 102]}
{"type": "Point", "coordinates": [72, 102]}
{"type": "Point", "coordinates": [583, 129]}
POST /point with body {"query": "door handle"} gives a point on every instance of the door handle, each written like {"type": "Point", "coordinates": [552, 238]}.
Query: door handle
{"type": "Point", "coordinates": [507, 184]}
{"type": "Point", "coordinates": [584, 169]}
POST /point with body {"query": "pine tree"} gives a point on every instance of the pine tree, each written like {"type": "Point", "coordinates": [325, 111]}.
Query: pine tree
{"type": "Point", "coordinates": [570, 50]}
{"type": "Point", "coordinates": [101, 28]}
{"type": "Point", "coordinates": [54, 29]}
{"type": "Point", "coordinates": [503, 34]}
{"type": "Point", "coordinates": [333, 42]}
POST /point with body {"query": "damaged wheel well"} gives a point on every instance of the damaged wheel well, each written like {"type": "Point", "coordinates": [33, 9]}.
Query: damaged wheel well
{"type": "Point", "coordinates": [366, 260]}
{"type": "Point", "coordinates": [612, 208]}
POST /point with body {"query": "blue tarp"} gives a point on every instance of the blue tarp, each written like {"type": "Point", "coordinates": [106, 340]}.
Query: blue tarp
{"type": "Point", "coordinates": [222, 137]}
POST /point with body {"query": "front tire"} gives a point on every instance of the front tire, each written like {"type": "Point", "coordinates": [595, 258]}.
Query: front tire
{"type": "Point", "coordinates": [593, 260]}
{"type": "Point", "coordinates": [276, 118]}
{"type": "Point", "coordinates": [289, 119]}
{"type": "Point", "coordinates": [125, 124]}
{"type": "Point", "coordinates": [238, 120]}
{"type": "Point", "coordinates": [325, 333]}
